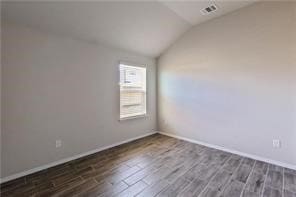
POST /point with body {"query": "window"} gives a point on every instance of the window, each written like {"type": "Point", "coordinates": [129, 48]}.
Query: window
{"type": "Point", "coordinates": [132, 91]}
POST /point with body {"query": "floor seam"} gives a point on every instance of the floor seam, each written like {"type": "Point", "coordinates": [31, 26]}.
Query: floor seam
{"type": "Point", "coordinates": [283, 188]}
{"type": "Point", "coordinates": [248, 179]}
{"type": "Point", "coordinates": [214, 176]}
{"type": "Point", "coordinates": [264, 185]}
{"type": "Point", "coordinates": [228, 182]}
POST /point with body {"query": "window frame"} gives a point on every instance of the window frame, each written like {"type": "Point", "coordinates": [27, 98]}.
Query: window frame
{"type": "Point", "coordinates": [127, 63]}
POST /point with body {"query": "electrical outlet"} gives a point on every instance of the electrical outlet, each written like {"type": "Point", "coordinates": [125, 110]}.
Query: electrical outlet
{"type": "Point", "coordinates": [276, 143]}
{"type": "Point", "coordinates": [58, 143]}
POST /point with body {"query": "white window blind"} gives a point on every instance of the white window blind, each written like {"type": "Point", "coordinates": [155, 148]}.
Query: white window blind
{"type": "Point", "coordinates": [132, 91]}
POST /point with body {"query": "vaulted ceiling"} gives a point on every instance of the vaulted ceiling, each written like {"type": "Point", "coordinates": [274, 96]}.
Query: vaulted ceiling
{"type": "Point", "coordinates": [144, 27]}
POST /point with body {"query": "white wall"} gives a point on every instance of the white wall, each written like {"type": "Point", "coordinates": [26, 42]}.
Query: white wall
{"type": "Point", "coordinates": [59, 88]}
{"type": "Point", "coordinates": [232, 82]}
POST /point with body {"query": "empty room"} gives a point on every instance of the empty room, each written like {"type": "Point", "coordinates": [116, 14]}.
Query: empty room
{"type": "Point", "coordinates": [148, 98]}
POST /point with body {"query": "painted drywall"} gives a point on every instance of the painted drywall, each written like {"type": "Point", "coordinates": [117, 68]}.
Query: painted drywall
{"type": "Point", "coordinates": [231, 82]}
{"type": "Point", "coordinates": [55, 87]}
{"type": "Point", "coordinates": [146, 27]}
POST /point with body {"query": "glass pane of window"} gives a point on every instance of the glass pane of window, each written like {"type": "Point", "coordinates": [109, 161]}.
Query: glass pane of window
{"type": "Point", "coordinates": [132, 91]}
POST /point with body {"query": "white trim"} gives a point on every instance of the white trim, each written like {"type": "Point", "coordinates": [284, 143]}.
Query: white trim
{"type": "Point", "coordinates": [259, 158]}
{"type": "Point", "coordinates": [132, 64]}
{"type": "Point", "coordinates": [27, 172]}
{"type": "Point", "coordinates": [134, 117]}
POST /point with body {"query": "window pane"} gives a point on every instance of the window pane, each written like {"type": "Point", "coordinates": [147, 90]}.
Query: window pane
{"type": "Point", "coordinates": [132, 91]}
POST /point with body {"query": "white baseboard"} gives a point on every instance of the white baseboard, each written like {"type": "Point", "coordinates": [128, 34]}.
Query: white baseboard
{"type": "Point", "coordinates": [259, 158]}
{"type": "Point", "coordinates": [31, 171]}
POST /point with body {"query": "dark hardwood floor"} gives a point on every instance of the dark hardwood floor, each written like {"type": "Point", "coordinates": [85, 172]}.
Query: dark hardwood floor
{"type": "Point", "coordinates": [158, 166]}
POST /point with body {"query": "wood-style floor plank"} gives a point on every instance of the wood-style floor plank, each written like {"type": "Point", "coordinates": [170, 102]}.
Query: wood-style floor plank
{"type": "Point", "coordinates": [158, 165]}
{"type": "Point", "coordinates": [274, 179]}
{"type": "Point", "coordinates": [255, 183]}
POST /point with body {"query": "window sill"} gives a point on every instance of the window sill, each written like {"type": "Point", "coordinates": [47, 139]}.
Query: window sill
{"type": "Point", "coordinates": [133, 117]}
